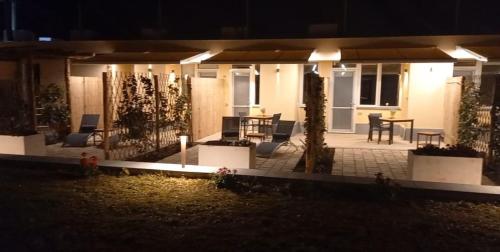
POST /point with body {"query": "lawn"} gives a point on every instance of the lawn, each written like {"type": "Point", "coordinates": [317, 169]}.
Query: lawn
{"type": "Point", "coordinates": [41, 210]}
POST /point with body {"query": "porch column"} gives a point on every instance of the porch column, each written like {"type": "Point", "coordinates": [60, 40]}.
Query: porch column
{"type": "Point", "coordinates": [67, 74]}
{"type": "Point", "coordinates": [325, 69]}
{"type": "Point", "coordinates": [26, 91]}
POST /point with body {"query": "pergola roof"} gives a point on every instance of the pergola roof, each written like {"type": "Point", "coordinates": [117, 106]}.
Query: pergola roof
{"type": "Point", "coordinates": [139, 57]}
{"type": "Point", "coordinates": [356, 49]}
{"type": "Point", "coordinates": [261, 56]}
{"type": "Point", "coordinates": [400, 55]}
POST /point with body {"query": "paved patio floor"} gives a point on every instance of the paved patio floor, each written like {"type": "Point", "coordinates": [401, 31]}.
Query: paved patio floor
{"type": "Point", "coordinates": [348, 162]}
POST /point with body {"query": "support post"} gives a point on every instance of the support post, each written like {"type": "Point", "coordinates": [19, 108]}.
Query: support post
{"type": "Point", "coordinates": [157, 111]}
{"type": "Point", "coordinates": [67, 74]}
{"type": "Point", "coordinates": [106, 114]}
{"type": "Point", "coordinates": [190, 108]}
{"type": "Point", "coordinates": [315, 122]}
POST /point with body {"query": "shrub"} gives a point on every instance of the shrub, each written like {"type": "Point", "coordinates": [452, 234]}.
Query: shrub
{"type": "Point", "coordinates": [449, 151]}
{"type": "Point", "coordinates": [88, 165]}
{"type": "Point", "coordinates": [224, 178]}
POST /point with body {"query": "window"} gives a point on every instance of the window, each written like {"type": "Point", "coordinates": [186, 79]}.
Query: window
{"type": "Point", "coordinates": [380, 84]}
{"type": "Point", "coordinates": [389, 90]}
{"type": "Point", "coordinates": [308, 68]}
{"type": "Point", "coordinates": [368, 91]}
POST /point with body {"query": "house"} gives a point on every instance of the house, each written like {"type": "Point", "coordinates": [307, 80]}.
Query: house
{"type": "Point", "coordinates": [405, 77]}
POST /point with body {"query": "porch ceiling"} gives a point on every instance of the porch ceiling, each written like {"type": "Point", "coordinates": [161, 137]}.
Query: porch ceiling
{"type": "Point", "coordinates": [140, 57]}
{"type": "Point", "coordinates": [490, 52]}
{"type": "Point", "coordinates": [261, 56]}
{"type": "Point", "coordinates": [399, 55]}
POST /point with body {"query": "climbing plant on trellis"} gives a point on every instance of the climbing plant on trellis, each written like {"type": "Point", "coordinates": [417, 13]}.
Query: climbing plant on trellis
{"type": "Point", "coordinates": [145, 113]}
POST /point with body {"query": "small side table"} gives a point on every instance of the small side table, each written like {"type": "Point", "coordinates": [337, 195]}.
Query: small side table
{"type": "Point", "coordinates": [428, 135]}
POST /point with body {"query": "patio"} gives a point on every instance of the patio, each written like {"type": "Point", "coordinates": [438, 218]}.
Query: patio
{"type": "Point", "coordinates": [354, 156]}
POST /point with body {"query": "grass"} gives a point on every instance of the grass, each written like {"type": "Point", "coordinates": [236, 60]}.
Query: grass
{"type": "Point", "coordinates": [41, 210]}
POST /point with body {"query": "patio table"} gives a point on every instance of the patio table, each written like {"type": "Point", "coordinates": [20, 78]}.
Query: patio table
{"type": "Point", "coordinates": [391, 122]}
{"type": "Point", "coordinates": [261, 120]}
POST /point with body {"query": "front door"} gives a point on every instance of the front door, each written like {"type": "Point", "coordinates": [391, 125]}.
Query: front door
{"type": "Point", "coordinates": [342, 119]}
{"type": "Point", "coordinates": [241, 93]}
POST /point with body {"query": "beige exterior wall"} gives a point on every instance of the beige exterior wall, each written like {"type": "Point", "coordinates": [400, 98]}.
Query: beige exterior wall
{"type": "Point", "coordinates": [224, 73]}
{"type": "Point", "coordinates": [279, 91]}
{"type": "Point", "coordinates": [427, 93]}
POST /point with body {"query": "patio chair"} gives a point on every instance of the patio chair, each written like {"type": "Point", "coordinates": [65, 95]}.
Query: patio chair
{"type": "Point", "coordinates": [230, 128]}
{"type": "Point", "coordinates": [376, 125]}
{"type": "Point", "coordinates": [280, 137]}
{"type": "Point", "coordinates": [87, 126]}
{"type": "Point", "coordinates": [274, 123]}
{"type": "Point", "coordinates": [244, 122]}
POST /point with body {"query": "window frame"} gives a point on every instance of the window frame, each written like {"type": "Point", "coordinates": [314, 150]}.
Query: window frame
{"type": "Point", "coordinates": [301, 103]}
{"type": "Point", "coordinates": [252, 88]}
{"type": "Point", "coordinates": [378, 89]}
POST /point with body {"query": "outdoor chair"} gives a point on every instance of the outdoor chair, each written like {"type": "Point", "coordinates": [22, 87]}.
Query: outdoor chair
{"type": "Point", "coordinates": [87, 126]}
{"type": "Point", "coordinates": [230, 128]}
{"type": "Point", "coordinates": [375, 124]}
{"type": "Point", "coordinates": [244, 122]}
{"type": "Point", "coordinates": [281, 136]}
{"type": "Point", "coordinates": [274, 123]}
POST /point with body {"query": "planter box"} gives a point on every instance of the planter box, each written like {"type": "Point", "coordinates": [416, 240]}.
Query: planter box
{"type": "Point", "coordinates": [227, 156]}
{"type": "Point", "coordinates": [23, 145]}
{"type": "Point", "coordinates": [458, 170]}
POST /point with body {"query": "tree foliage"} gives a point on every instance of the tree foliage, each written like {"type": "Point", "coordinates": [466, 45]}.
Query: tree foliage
{"type": "Point", "coordinates": [468, 121]}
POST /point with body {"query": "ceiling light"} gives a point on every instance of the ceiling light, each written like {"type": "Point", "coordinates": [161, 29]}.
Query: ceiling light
{"type": "Point", "coordinates": [324, 56]}
{"type": "Point", "coordinates": [464, 53]}
{"type": "Point", "coordinates": [198, 58]}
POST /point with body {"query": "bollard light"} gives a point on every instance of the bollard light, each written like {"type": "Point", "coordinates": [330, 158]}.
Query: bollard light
{"type": "Point", "coordinates": [183, 150]}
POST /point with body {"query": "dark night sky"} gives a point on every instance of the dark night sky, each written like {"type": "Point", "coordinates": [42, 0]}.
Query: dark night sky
{"type": "Point", "coordinates": [115, 19]}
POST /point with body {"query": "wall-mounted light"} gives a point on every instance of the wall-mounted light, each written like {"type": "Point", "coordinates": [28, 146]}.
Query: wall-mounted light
{"type": "Point", "coordinates": [315, 69]}
{"type": "Point", "coordinates": [183, 150]}
{"type": "Point", "coordinates": [277, 68]}
{"type": "Point", "coordinates": [256, 72]}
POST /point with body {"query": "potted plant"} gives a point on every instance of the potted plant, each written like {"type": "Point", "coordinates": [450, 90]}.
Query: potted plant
{"type": "Point", "coordinates": [54, 113]}
{"type": "Point", "coordinates": [458, 164]}
{"type": "Point", "coordinates": [17, 133]}
{"type": "Point", "coordinates": [235, 154]}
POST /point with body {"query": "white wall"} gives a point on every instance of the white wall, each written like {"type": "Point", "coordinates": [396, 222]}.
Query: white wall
{"type": "Point", "coordinates": [427, 93]}
{"type": "Point", "coordinates": [279, 91]}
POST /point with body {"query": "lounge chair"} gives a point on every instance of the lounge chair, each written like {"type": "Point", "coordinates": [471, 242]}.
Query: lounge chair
{"type": "Point", "coordinates": [230, 128]}
{"type": "Point", "coordinates": [280, 137]}
{"type": "Point", "coordinates": [87, 126]}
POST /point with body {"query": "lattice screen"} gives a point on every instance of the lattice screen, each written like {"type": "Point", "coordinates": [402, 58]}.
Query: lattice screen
{"type": "Point", "coordinates": [141, 113]}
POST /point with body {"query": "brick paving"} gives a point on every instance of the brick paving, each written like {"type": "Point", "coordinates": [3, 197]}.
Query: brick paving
{"type": "Point", "coordinates": [368, 162]}
{"type": "Point", "coordinates": [348, 162]}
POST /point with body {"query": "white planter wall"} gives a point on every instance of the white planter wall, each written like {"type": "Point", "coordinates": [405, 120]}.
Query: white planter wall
{"type": "Point", "coordinates": [227, 156]}
{"type": "Point", "coordinates": [458, 170]}
{"type": "Point", "coordinates": [23, 145]}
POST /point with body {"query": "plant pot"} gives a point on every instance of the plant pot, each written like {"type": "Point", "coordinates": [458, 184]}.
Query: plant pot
{"type": "Point", "coordinates": [23, 145]}
{"type": "Point", "coordinates": [445, 169]}
{"type": "Point", "coordinates": [227, 156]}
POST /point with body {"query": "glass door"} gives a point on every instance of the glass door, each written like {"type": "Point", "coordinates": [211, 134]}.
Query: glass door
{"type": "Point", "coordinates": [342, 119]}
{"type": "Point", "coordinates": [241, 93]}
